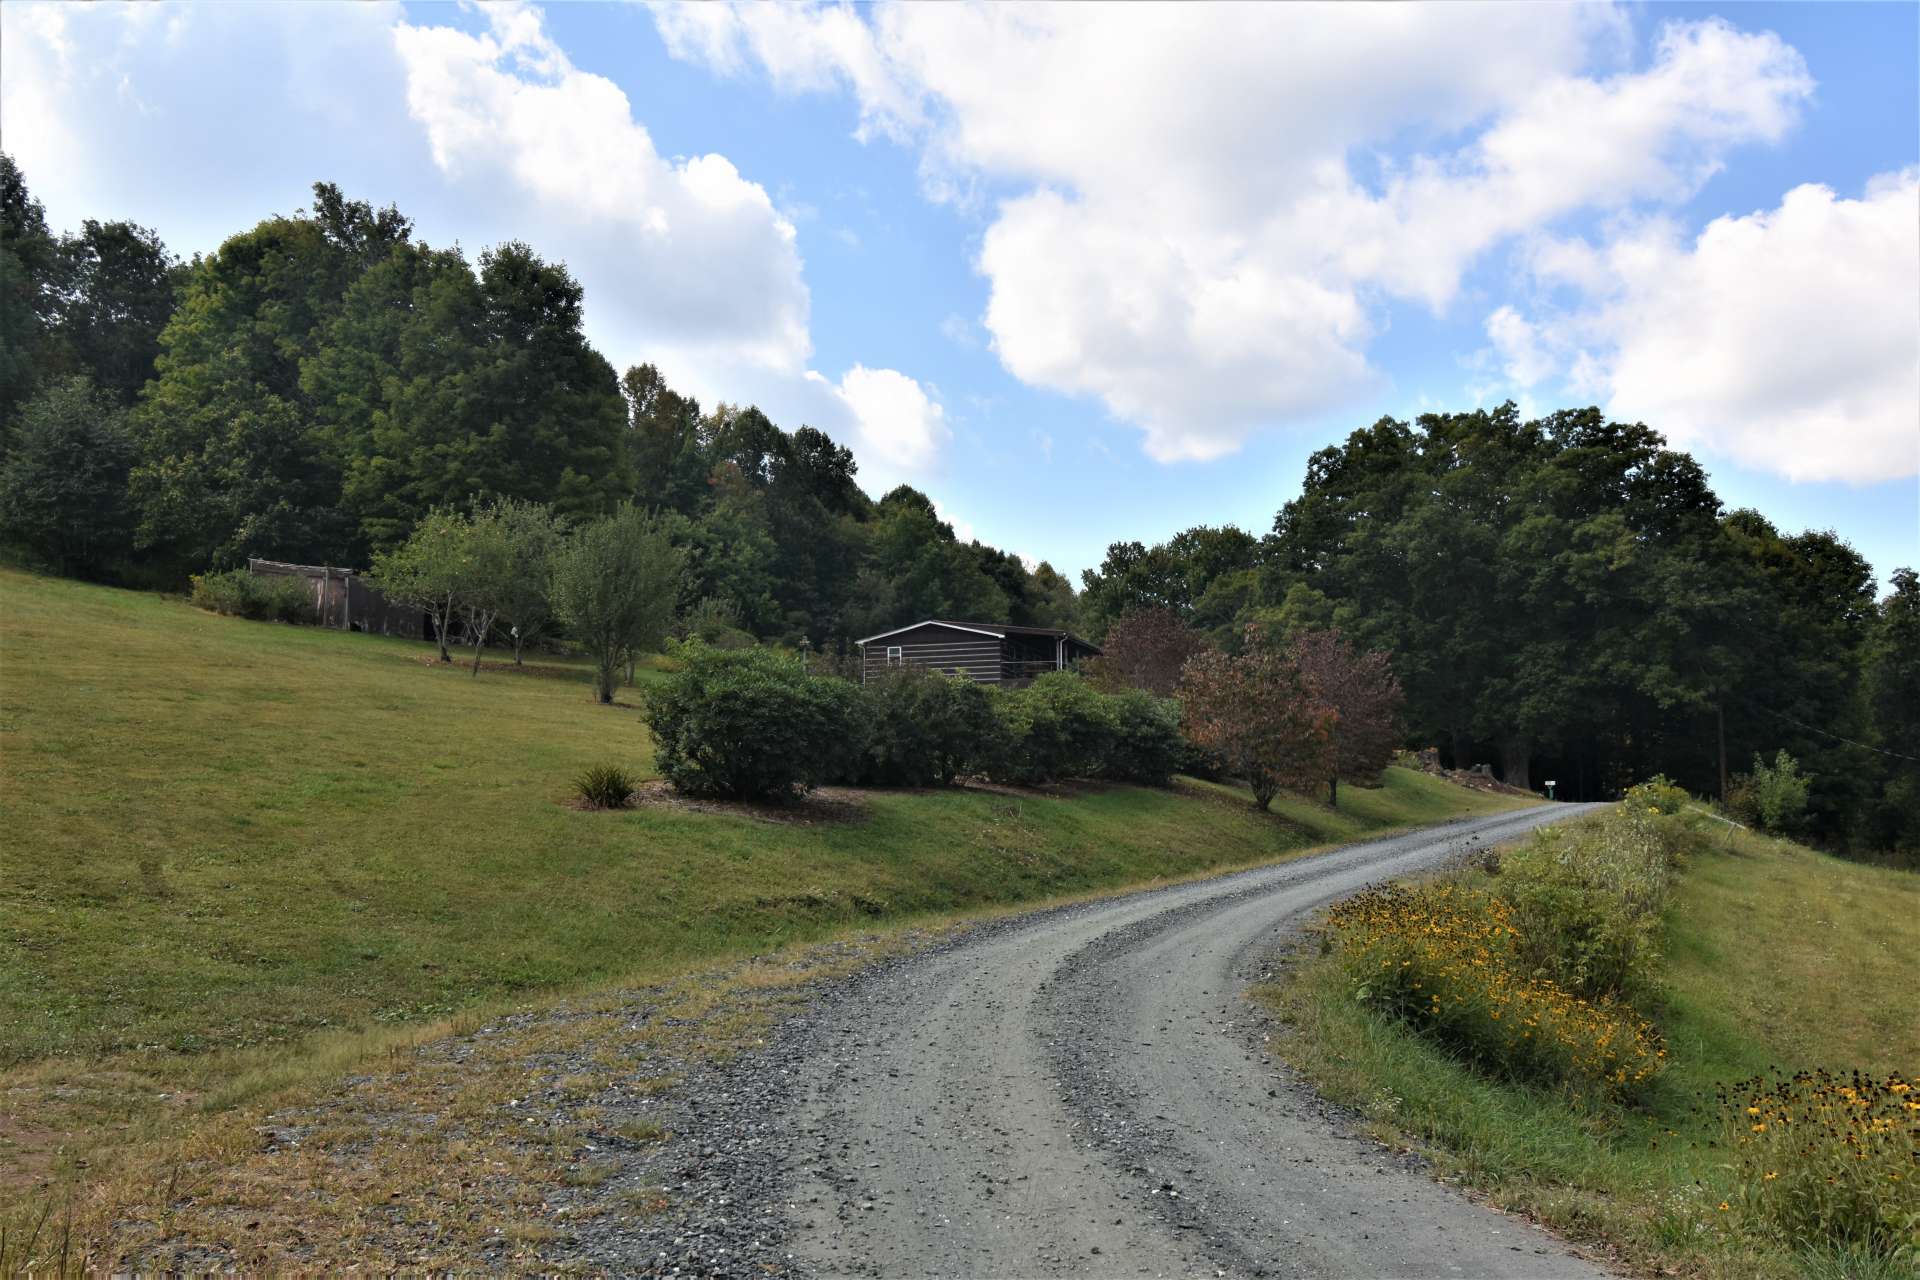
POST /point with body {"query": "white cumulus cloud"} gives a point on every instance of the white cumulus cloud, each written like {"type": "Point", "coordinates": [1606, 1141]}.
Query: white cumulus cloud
{"type": "Point", "coordinates": [1178, 226]}
{"type": "Point", "coordinates": [1787, 339]}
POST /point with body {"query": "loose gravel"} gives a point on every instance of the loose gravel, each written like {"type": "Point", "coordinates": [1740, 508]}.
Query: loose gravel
{"type": "Point", "coordinates": [1082, 1091]}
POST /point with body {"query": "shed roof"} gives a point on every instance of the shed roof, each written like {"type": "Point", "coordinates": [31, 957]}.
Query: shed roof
{"type": "Point", "coordinates": [998, 630]}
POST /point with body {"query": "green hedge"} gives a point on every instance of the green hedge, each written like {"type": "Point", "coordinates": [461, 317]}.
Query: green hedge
{"type": "Point", "coordinates": [240, 594]}
{"type": "Point", "coordinates": [751, 724]}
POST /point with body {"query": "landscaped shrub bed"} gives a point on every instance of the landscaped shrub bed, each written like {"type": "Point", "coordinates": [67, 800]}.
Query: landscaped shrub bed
{"type": "Point", "coordinates": [1821, 1157]}
{"type": "Point", "coordinates": [1446, 960]}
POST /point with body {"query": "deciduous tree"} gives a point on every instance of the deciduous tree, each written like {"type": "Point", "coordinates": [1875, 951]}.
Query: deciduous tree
{"type": "Point", "coordinates": [1146, 649]}
{"type": "Point", "coordinates": [1365, 698]}
{"type": "Point", "coordinates": [63, 487]}
{"type": "Point", "coordinates": [1258, 712]}
{"type": "Point", "coordinates": [615, 584]}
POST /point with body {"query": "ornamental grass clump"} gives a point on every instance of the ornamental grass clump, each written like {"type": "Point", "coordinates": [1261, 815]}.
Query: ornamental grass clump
{"type": "Point", "coordinates": [604, 786]}
{"type": "Point", "coordinates": [1823, 1159]}
{"type": "Point", "coordinates": [1445, 959]}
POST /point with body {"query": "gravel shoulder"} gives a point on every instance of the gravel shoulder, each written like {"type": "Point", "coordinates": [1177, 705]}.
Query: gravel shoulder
{"type": "Point", "coordinates": [1086, 1092]}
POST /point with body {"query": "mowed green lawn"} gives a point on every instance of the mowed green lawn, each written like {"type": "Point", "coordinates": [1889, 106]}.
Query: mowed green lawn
{"type": "Point", "coordinates": [221, 837]}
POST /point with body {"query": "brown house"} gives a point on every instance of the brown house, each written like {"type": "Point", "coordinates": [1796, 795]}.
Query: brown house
{"type": "Point", "coordinates": [345, 602]}
{"type": "Point", "coordinates": [989, 652]}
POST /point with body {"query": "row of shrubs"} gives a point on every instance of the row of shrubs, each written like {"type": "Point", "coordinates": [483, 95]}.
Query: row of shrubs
{"type": "Point", "coordinates": [1532, 968]}
{"type": "Point", "coordinates": [756, 724]}
{"type": "Point", "coordinates": [241, 594]}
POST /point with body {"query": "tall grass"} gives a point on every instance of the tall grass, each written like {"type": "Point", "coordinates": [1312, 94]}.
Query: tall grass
{"type": "Point", "coordinates": [1742, 950]}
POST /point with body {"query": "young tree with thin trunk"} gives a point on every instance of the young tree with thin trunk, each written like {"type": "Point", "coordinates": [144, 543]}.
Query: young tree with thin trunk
{"type": "Point", "coordinates": [1258, 712]}
{"type": "Point", "coordinates": [485, 583]}
{"type": "Point", "coordinates": [1365, 698]}
{"type": "Point", "coordinates": [426, 571]}
{"type": "Point", "coordinates": [614, 585]}
{"type": "Point", "coordinates": [533, 537]}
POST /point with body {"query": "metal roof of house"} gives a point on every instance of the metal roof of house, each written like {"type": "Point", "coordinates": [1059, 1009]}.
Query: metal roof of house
{"type": "Point", "coordinates": [998, 630]}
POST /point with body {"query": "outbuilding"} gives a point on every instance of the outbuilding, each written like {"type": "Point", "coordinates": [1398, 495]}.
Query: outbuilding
{"type": "Point", "coordinates": [988, 652]}
{"type": "Point", "coordinates": [345, 601]}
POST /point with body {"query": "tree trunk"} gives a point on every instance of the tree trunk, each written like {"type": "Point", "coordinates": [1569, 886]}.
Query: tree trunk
{"type": "Point", "coordinates": [1515, 755]}
{"type": "Point", "coordinates": [1263, 789]}
{"type": "Point", "coordinates": [1462, 750]}
{"type": "Point", "coordinates": [517, 642]}
{"type": "Point", "coordinates": [1333, 792]}
{"type": "Point", "coordinates": [603, 681]}
{"type": "Point", "coordinates": [1720, 728]}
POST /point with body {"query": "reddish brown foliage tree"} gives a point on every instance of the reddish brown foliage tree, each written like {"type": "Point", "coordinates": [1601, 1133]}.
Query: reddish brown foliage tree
{"type": "Point", "coordinates": [1258, 712]}
{"type": "Point", "coordinates": [1146, 649]}
{"type": "Point", "coordinates": [1365, 697]}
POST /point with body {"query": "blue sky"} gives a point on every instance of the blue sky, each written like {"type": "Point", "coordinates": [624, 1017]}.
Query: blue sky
{"type": "Point", "coordinates": [1090, 275]}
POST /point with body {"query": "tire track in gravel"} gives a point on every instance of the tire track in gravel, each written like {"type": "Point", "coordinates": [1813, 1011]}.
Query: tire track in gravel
{"type": "Point", "coordinates": [1085, 1092]}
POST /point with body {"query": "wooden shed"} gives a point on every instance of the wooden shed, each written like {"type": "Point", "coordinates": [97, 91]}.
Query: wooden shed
{"type": "Point", "coordinates": [989, 652]}
{"type": "Point", "coordinates": [345, 602]}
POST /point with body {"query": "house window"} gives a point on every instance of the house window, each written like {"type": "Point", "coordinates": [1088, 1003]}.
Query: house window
{"type": "Point", "coordinates": [893, 655]}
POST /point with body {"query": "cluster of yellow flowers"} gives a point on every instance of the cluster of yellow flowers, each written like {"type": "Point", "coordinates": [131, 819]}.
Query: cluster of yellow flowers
{"type": "Point", "coordinates": [1832, 1158]}
{"type": "Point", "coordinates": [1444, 958]}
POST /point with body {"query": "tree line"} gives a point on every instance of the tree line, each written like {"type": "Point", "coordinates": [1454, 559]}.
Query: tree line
{"type": "Point", "coordinates": [319, 385]}
{"type": "Point", "coordinates": [1567, 598]}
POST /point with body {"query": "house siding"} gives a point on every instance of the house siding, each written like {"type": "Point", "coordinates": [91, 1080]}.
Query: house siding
{"type": "Point", "coordinates": [946, 649]}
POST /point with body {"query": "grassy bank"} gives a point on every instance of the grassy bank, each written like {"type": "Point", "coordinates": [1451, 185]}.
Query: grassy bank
{"type": "Point", "coordinates": [233, 851]}
{"type": "Point", "coordinates": [1774, 956]}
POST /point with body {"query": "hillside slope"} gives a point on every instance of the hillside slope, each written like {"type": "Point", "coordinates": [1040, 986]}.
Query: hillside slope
{"type": "Point", "coordinates": [225, 838]}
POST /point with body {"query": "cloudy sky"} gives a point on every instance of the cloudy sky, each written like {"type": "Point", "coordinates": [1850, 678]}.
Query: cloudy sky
{"type": "Point", "coordinates": [1091, 273]}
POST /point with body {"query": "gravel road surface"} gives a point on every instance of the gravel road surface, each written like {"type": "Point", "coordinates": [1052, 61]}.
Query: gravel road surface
{"type": "Point", "coordinates": [1086, 1092]}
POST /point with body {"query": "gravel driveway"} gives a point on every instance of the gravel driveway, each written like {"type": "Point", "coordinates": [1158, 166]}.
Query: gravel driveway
{"type": "Point", "coordinates": [1086, 1091]}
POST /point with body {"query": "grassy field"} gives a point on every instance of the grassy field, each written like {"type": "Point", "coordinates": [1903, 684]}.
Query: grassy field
{"type": "Point", "coordinates": [233, 851]}
{"type": "Point", "coordinates": [1775, 955]}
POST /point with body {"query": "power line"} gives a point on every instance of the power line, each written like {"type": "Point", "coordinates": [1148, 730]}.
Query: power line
{"type": "Point", "coordinates": [1814, 728]}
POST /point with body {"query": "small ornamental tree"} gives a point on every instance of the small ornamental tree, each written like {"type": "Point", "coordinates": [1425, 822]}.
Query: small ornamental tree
{"type": "Point", "coordinates": [533, 538]}
{"type": "Point", "coordinates": [427, 572]}
{"type": "Point", "coordinates": [1365, 698]}
{"type": "Point", "coordinates": [1258, 712]}
{"type": "Point", "coordinates": [614, 585]}
{"type": "Point", "coordinates": [1146, 649]}
{"type": "Point", "coordinates": [486, 575]}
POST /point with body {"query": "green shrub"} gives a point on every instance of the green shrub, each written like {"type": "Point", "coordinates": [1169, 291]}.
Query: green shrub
{"type": "Point", "coordinates": [1587, 901]}
{"type": "Point", "coordinates": [926, 729]}
{"type": "Point", "coordinates": [604, 786]}
{"type": "Point", "coordinates": [1057, 727]}
{"type": "Point", "coordinates": [1659, 794]}
{"type": "Point", "coordinates": [240, 594]}
{"type": "Point", "coordinates": [1773, 796]}
{"type": "Point", "coordinates": [752, 724]}
{"type": "Point", "coordinates": [1146, 745]}
{"type": "Point", "coordinates": [229, 593]}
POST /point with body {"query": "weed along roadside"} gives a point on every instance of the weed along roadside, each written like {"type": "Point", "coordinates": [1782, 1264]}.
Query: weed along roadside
{"type": "Point", "coordinates": [319, 853]}
{"type": "Point", "coordinates": [1648, 1031]}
